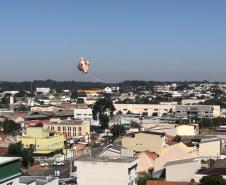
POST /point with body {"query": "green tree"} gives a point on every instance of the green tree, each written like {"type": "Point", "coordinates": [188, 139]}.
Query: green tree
{"type": "Point", "coordinates": [134, 124]}
{"type": "Point", "coordinates": [212, 180]}
{"type": "Point", "coordinates": [74, 94]}
{"type": "Point", "coordinates": [21, 108]}
{"type": "Point", "coordinates": [143, 178]}
{"type": "Point", "coordinates": [177, 138]}
{"type": "Point", "coordinates": [26, 153]}
{"type": "Point", "coordinates": [104, 121]}
{"type": "Point", "coordinates": [10, 127]}
{"type": "Point", "coordinates": [80, 101]}
{"type": "Point", "coordinates": [129, 112]}
{"type": "Point", "coordinates": [102, 106]}
{"type": "Point", "coordinates": [101, 109]}
{"type": "Point", "coordinates": [21, 94]}
{"type": "Point", "coordinates": [5, 101]}
{"type": "Point", "coordinates": [117, 131]}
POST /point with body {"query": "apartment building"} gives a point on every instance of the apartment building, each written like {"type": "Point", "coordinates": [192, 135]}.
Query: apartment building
{"type": "Point", "coordinates": [201, 111]}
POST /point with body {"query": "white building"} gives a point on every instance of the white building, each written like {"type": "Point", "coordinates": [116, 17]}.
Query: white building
{"type": "Point", "coordinates": [83, 113]}
{"type": "Point", "coordinates": [11, 92]}
{"type": "Point", "coordinates": [201, 111]}
{"type": "Point", "coordinates": [106, 171]}
{"type": "Point", "coordinates": [107, 90]}
{"type": "Point", "coordinates": [147, 109]}
{"type": "Point", "coordinates": [182, 170]}
{"type": "Point", "coordinates": [43, 90]}
{"type": "Point", "coordinates": [192, 101]}
{"type": "Point", "coordinates": [210, 148]}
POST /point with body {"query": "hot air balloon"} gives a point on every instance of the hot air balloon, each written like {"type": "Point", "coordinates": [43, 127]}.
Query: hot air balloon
{"type": "Point", "coordinates": [83, 65]}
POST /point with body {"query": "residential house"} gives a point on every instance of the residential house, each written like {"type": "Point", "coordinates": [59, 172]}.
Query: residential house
{"type": "Point", "coordinates": [205, 143]}
{"type": "Point", "coordinates": [177, 151]}
{"type": "Point", "coordinates": [146, 161]}
{"type": "Point", "coordinates": [208, 171]}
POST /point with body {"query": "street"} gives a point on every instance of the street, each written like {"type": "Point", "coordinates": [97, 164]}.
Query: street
{"type": "Point", "coordinates": [50, 170]}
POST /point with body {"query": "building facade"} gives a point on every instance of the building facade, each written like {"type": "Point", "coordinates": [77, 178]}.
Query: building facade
{"type": "Point", "coordinates": [118, 171]}
{"type": "Point", "coordinates": [70, 128]}
{"type": "Point", "coordinates": [83, 114]}
{"type": "Point", "coordinates": [44, 142]}
{"type": "Point", "coordinates": [152, 141]}
{"type": "Point", "coordinates": [200, 111]}
{"type": "Point", "coordinates": [182, 170]}
{"type": "Point", "coordinates": [145, 109]}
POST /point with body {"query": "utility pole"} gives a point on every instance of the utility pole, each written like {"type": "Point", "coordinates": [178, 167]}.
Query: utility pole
{"type": "Point", "coordinates": [31, 92]}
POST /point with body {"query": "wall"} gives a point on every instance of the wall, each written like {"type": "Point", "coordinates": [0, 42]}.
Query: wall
{"type": "Point", "coordinates": [143, 142]}
{"type": "Point", "coordinates": [183, 172]}
{"type": "Point", "coordinates": [185, 130]}
{"type": "Point", "coordinates": [45, 144]}
{"type": "Point", "coordinates": [103, 173]}
{"type": "Point", "coordinates": [210, 149]}
{"type": "Point", "coordinates": [140, 108]}
{"type": "Point", "coordinates": [83, 114]}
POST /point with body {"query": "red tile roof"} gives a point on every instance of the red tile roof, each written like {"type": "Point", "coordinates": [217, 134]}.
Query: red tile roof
{"type": "Point", "coordinates": [151, 155]}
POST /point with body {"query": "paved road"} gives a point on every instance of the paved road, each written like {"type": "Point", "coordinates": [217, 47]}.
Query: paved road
{"type": "Point", "coordinates": [50, 170]}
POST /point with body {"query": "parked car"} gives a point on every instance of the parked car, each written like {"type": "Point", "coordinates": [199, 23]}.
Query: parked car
{"type": "Point", "coordinates": [42, 163]}
{"type": "Point", "coordinates": [56, 163]}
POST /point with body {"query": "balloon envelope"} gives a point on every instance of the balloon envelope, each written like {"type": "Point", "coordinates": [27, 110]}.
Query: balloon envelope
{"type": "Point", "coordinates": [83, 65]}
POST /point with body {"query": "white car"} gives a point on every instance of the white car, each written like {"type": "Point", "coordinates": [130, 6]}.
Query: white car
{"type": "Point", "coordinates": [43, 164]}
{"type": "Point", "coordinates": [55, 163]}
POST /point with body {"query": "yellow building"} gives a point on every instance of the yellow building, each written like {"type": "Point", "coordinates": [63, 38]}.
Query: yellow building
{"type": "Point", "coordinates": [91, 91]}
{"type": "Point", "coordinates": [70, 128]}
{"type": "Point", "coordinates": [44, 142]}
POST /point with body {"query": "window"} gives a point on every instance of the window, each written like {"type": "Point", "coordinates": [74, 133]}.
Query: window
{"type": "Point", "coordinates": [69, 129]}
{"type": "Point", "coordinates": [79, 128]}
{"type": "Point", "coordinates": [64, 128]}
{"type": "Point", "coordinates": [59, 128]}
{"type": "Point", "coordinates": [74, 129]}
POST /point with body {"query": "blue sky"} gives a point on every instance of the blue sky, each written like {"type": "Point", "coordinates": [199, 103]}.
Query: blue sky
{"type": "Point", "coordinates": [123, 39]}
